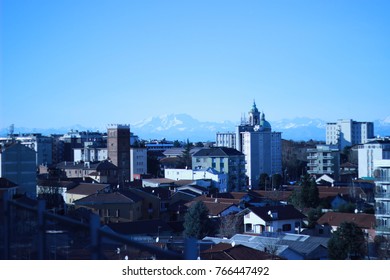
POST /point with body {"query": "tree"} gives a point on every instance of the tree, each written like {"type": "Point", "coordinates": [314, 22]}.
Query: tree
{"type": "Point", "coordinates": [199, 144]}
{"type": "Point", "coordinates": [176, 144]}
{"type": "Point", "coordinates": [231, 225]}
{"type": "Point", "coordinates": [196, 221]}
{"type": "Point", "coordinates": [186, 157]}
{"type": "Point", "coordinates": [264, 178]}
{"type": "Point", "coordinates": [382, 247]}
{"type": "Point", "coordinates": [307, 196]}
{"type": "Point", "coordinates": [312, 216]}
{"type": "Point", "coordinates": [347, 242]}
{"type": "Point", "coordinates": [277, 180]}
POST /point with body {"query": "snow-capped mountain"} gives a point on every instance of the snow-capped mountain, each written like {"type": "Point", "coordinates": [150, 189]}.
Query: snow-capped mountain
{"type": "Point", "coordinates": [179, 126]}
{"type": "Point", "coordinates": [182, 127]}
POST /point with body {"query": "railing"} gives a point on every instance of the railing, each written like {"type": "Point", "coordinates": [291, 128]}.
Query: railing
{"type": "Point", "coordinates": [32, 232]}
{"type": "Point", "coordinates": [382, 195]}
{"type": "Point", "coordinates": [382, 229]}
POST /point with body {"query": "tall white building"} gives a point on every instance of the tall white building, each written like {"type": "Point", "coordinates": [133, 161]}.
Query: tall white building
{"type": "Point", "coordinates": [347, 132]}
{"type": "Point", "coordinates": [261, 146]}
{"type": "Point", "coordinates": [375, 149]}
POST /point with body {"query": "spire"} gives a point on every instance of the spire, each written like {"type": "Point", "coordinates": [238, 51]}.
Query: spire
{"type": "Point", "coordinates": [254, 107]}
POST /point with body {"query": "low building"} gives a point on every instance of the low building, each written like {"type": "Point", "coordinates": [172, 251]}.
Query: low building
{"type": "Point", "coordinates": [283, 218]}
{"type": "Point", "coordinates": [83, 190]}
{"type": "Point", "coordinates": [113, 207]}
{"type": "Point", "coordinates": [219, 179]}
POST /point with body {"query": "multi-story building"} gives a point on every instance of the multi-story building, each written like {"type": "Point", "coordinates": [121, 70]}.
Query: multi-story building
{"type": "Point", "coordinates": [368, 153]}
{"type": "Point", "coordinates": [382, 197]}
{"type": "Point", "coordinates": [159, 145]}
{"type": "Point", "coordinates": [42, 145]}
{"type": "Point", "coordinates": [101, 172]}
{"type": "Point", "coordinates": [226, 139]}
{"type": "Point", "coordinates": [324, 159]}
{"type": "Point", "coordinates": [347, 132]}
{"type": "Point", "coordinates": [92, 151]}
{"type": "Point", "coordinates": [261, 146]}
{"type": "Point", "coordinates": [74, 139]}
{"type": "Point", "coordinates": [118, 147]}
{"type": "Point", "coordinates": [18, 165]}
{"type": "Point", "coordinates": [224, 160]}
{"type": "Point", "coordinates": [139, 162]}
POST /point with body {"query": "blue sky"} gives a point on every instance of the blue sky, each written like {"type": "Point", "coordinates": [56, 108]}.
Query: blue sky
{"type": "Point", "coordinates": [92, 63]}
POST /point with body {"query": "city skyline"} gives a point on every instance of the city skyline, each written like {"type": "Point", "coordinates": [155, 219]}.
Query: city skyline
{"type": "Point", "coordinates": [93, 62]}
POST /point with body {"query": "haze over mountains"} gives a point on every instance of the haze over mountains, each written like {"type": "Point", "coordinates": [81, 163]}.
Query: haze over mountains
{"type": "Point", "coordinates": [183, 127]}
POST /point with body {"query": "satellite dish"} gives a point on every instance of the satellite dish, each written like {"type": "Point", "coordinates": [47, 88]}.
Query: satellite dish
{"type": "Point", "coordinates": [233, 243]}
{"type": "Point", "coordinates": [157, 239]}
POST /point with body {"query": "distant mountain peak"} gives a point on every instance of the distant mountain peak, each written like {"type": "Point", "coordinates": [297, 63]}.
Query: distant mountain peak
{"type": "Point", "coordinates": [183, 126]}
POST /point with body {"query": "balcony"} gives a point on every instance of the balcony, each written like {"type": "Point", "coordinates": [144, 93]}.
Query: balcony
{"type": "Point", "coordinates": [327, 164]}
{"type": "Point", "coordinates": [328, 157]}
{"type": "Point", "coordinates": [384, 196]}
{"type": "Point", "coordinates": [383, 230]}
{"type": "Point", "coordinates": [383, 179]}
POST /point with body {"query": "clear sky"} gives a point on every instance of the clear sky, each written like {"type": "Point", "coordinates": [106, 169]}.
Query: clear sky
{"type": "Point", "coordinates": [92, 63]}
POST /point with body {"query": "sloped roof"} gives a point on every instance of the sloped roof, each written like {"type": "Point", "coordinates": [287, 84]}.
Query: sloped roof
{"type": "Point", "coordinates": [87, 188]}
{"type": "Point", "coordinates": [108, 198]}
{"type": "Point", "coordinates": [274, 195]}
{"type": "Point", "coordinates": [206, 198]}
{"type": "Point", "coordinates": [56, 184]}
{"type": "Point", "coordinates": [5, 183]}
{"type": "Point", "coordinates": [284, 212]}
{"type": "Point", "coordinates": [225, 251]}
{"type": "Point", "coordinates": [362, 220]}
{"type": "Point", "coordinates": [162, 193]}
{"type": "Point", "coordinates": [140, 227]}
{"type": "Point", "coordinates": [215, 208]}
{"type": "Point", "coordinates": [217, 152]}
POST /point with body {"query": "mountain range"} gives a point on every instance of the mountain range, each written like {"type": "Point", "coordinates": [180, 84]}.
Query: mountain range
{"type": "Point", "coordinates": [183, 126]}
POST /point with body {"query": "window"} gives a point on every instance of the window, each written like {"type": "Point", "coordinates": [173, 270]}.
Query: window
{"type": "Point", "coordinates": [286, 227]}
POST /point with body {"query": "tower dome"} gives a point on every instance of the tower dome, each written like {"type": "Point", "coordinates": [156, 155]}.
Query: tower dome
{"type": "Point", "coordinates": [254, 115]}
{"type": "Point", "coordinates": [254, 108]}
{"type": "Point", "coordinates": [264, 125]}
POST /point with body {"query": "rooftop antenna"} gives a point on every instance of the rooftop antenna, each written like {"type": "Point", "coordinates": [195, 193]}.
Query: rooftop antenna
{"type": "Point", "coordinates": [11, 130]}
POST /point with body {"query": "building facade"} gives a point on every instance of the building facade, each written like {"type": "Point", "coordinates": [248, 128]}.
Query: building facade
{"type": "Point", "coordinates": [42, 145]}
{"type": "Point", "coordinates": [223, 160]}
{"type": "Point", "coordinates": [18, 165]}
{"type": "Point", "coordinates": [324, 159]}
{"type": "Point", "coordinates": [118, 147]}
{"type": "Point", "coordinates": [219, 179]}
{"type": "Point", "coordinates": [226, 139]}
{"type": "Point", "coordinates": [382, 197]}
{"type": "Point", "coordinates": [139, 162]}
{"type": "Point", "coordinates": [347, 132]}
{"type": "Point", "coordinates": [368, 153]}
{"type": "Point", "coordinates": [92, 151]}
